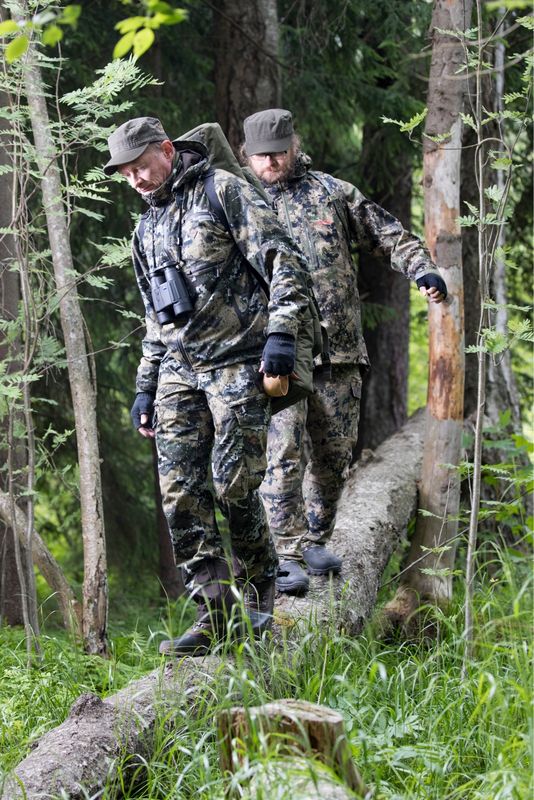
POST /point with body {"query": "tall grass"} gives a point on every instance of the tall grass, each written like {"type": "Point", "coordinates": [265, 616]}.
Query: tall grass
{"type": "Point", "coordinates": [417, 730]}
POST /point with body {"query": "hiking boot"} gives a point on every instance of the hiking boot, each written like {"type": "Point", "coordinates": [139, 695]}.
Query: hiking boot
{"type": "Point", "coordinates": [198, 640]}
{"type": "Point", "coordinates": [321, 561]}
{"type": "Point", "coordinates": [211, 588]}
{"type": "Point", "coordinates": [260, 605]}
{"type": "Point", "coordinates": [291, 578]}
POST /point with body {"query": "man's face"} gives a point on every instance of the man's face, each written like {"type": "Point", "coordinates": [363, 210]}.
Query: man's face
{"type": "Point", "coordinates": [151, 169]}
{"type": "Point", "coordinates": [273, 167]}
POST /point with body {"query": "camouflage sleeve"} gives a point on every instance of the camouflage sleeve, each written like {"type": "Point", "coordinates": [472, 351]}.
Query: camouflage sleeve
{"type": "Point", "coordinates": [266, 245]}
{"type": "Point", "coordinates": [153, 349]}
{"type": "Point", "coordinates": [382, 234]}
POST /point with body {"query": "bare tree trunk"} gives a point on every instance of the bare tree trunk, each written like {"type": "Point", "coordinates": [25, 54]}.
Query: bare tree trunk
{"type": "Point", "coordinates": [247, 73]}
{"type": "Point", "coordinates": [431, 557]}
{"type": "Point", "coordinates": [10, 586]}
{"type": "Point", "coordinates": [385, 388]}
{"type": "Point", "coordinates": [82, 385]}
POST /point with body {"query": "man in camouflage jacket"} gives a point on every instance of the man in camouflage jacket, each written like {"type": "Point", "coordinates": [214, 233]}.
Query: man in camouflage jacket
{"type": "Point", "coordinates": [325, 216]}
{"type": "Point", "coordinates": [199, 371]}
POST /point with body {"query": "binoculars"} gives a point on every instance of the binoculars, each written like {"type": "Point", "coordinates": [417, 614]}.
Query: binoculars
{"type": "Point", "coordinates": [170, 296]}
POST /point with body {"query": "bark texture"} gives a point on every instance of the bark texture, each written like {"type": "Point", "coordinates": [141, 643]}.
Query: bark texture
{"type": "Point", "coordinates": [82, 385]}
{"type": "Point", "coordinates": [377, 503]}
{"type": "Point", "coordinates": [247, 72]}
{"type": "Point", "coordinates": [440, 483]}
{"type": "Point", "coordinates": [10, 354]}
{"type": "Point", "coordinates": [287, 727]}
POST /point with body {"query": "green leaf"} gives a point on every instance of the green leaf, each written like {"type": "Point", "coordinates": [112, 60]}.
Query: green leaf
{"type": "Point", "coordinates": [130, 24]}
{"type": "Point", "coordinates": [468, 120]}
{"type": "Point", "coordinates": [509, 5]}
{"type": "Point", "coordinates": [468, 221]}
{"type": "Point", "coordinates": [526, 22]}
{"type": "Point", "coordinates": [9, 26]}
{"type": "Point", "coordinates": [17, 48]}
{"type": "Point", "coordinates": [175, 17]}
{"type": "Point", "coordinates": [494, 193]}
{"type": "Point", "coordinates": [124, 45]}
{"type": "Point", "coordinates": [99, 281]}
{"type": "Point", "coordinates": [52, 35]}
{"type": "Point", "coordinates": [143, 41]}
{"type": "Point", "coordinates": [501, 163]}
{"type": "Point", "coordinates": [70, 15]}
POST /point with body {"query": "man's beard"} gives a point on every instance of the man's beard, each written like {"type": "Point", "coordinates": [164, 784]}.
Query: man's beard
{"type": "Point", "coordinates": [269, 176]}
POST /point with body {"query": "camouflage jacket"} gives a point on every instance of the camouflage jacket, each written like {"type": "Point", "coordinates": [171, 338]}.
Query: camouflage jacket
{"type": "Point", "coordinates": [231, 315]}
{"type": "Point", "coordinates": [325, 216]}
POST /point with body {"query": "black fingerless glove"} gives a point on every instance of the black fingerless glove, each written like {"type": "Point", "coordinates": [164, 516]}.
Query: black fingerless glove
{"type": "Point", "coordinates": [279, 354]}
{"type": "Point", "coordinates": [432, 280]}
{"type": "Point", "coordinates": [143, 404]}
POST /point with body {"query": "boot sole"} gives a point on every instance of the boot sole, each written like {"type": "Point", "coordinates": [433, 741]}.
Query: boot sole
{"type": "Point", "coordinates": [329, 571]}
{"type": "Point", "coordinates": [293, 588]}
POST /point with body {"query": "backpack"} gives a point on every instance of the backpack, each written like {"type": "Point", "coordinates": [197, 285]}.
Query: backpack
{"type": "Point", "coordinates": [312, 339]}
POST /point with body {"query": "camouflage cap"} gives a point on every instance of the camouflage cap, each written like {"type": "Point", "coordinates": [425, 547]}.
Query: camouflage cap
{"type": "Point", "coordinates": [131, 139]}
{"type": "Point", "coordinates": [269, 131]}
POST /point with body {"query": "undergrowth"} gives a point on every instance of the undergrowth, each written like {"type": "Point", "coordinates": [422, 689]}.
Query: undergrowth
{"type": "Point", "coordinates": [416, 729]}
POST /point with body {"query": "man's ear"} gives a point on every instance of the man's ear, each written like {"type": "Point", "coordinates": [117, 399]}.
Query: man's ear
{"type": "Point", "coordinates": [167, 148]}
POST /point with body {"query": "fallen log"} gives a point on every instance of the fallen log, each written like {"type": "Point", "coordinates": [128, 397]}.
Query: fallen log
{"type": "Point", "coordinates": [377, 503]}
{"type": "Point", "coordinates": [80, 755]}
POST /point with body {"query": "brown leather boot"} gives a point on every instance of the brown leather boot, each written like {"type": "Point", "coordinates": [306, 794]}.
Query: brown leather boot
{"type": "Point", "coordinates": [211, 588]}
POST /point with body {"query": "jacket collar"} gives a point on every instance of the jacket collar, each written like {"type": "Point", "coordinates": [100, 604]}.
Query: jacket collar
{"type": "Point", "coordinates": [190, 160]}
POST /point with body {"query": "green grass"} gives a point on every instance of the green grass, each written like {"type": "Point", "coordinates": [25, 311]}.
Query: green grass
{"type": "Point", "coordinates": [416, 728]}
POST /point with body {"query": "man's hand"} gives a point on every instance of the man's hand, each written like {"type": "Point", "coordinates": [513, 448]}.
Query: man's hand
{"type": "Point", "coordinates": [432, 286]}
{"type": "Point", "coordinates": [278, 357]}
{"type": "Point", "coordinates": [142, 412]}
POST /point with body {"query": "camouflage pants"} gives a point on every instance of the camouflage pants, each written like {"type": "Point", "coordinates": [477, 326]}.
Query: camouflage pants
{"type": "Point", "coordinates": [211, 437]}
{"type": "Point", "coordinates": [301, 499]}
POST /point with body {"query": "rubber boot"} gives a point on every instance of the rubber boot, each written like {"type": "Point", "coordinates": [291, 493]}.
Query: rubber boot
{"type": "Point", "coordinates": [211, 588]}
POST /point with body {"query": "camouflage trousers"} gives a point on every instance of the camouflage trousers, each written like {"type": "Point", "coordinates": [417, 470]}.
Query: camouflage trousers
{"type": "Point", "coordinates": [211, 437]}
{"type": "Point", "coordinates": [300, 492]}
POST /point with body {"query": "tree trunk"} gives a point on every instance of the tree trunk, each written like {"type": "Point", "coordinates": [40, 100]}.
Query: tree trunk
{"type": "Point", "coordinates": [432, 553]}
{"type": "Point", "coordinates": [10, 587]}
{"type": "Point", "coordinates": [247, 73]}
{"type": "Point", "coordinates": [47, 565]}
{"type": "Point", "coordinates": [94, 618]}
{"type": "Point", "coordinates": [385, 387]}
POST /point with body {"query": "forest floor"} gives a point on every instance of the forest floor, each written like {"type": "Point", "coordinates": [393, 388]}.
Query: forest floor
{"type": "Point", "coordinates": [417, 729]}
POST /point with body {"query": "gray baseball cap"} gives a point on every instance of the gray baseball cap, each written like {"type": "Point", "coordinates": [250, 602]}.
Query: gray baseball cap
{"type": "Point", "coordinates": [131, 139]}
{"type": "Point", "coordinates": [269, 131]}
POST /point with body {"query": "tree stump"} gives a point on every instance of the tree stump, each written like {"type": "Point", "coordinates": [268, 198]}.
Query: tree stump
{"type": "Point", "coordinates": [289, 729]}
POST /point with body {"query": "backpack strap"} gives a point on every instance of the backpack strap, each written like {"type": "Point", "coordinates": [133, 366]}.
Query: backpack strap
{"type": "Point", "coordinates": [217, 207]}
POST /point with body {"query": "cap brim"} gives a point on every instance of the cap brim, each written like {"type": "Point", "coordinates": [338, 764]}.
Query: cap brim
{"type": "Point", "coordinates": [124, 157]}
{"type": "Point", "coordinates": [272, 146]}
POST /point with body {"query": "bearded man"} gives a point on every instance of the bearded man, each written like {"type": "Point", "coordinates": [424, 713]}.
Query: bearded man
{"type": "Point", "coordinates": [326, 217]}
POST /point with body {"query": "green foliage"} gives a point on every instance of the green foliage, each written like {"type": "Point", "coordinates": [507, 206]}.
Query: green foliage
{"type": "Point", "coordinates": [416, 728]}
{"type": "Point", "coordinates": [48, 23]}
{"type": "Point", "coordinates": [138, 32]}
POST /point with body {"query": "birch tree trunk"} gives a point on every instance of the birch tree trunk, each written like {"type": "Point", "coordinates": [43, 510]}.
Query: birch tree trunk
{"type": "Point", "coordinates": [428, 575]}
{"type": "Point", "coordinates": [83, 390]}
{"type": "Point", "coordinates": [247, 73]}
